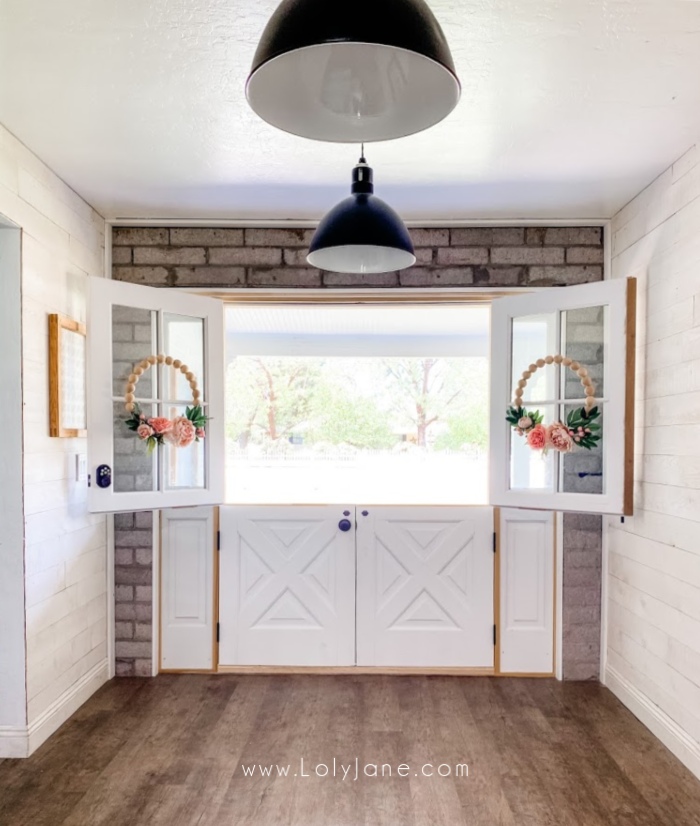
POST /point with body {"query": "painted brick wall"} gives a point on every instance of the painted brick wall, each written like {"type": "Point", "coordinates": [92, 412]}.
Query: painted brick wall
{"type": "Point", "coordinates": [464, 257]}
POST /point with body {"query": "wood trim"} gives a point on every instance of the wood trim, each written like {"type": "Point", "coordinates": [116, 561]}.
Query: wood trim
{"type": "Point", "coordinates": [497, 591]}
{"type": "Point", "coordinates": [57, 323]}
{"type": "Point", "coordinates": [355, 669]}
{"type": "Point", "coordinates": [330, 296]}
{"type": "Point", "coordinates": [630, 377]}
{"type": "Point", "coordinates": [215, 581]}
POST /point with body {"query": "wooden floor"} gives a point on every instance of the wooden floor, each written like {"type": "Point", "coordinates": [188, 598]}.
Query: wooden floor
{"type": "Point", "coordinates": [171, 751]}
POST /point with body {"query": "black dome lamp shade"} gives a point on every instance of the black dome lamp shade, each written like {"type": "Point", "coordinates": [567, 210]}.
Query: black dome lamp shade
{"type": "Point", "coordinates": [361, 234]}
{"type": "Point", "coordinates": [349, 71]}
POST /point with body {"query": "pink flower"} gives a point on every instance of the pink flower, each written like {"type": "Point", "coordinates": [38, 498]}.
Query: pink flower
{"type": "Point", "coordinates": [525, 423]}
{"type": "Point", "coordinates": [560, 437]}
{"type": "Point", "coordinates": [537, 437]}
{"type": "Point", "coordinates": [144, 431]}
{"type": "Point", "coordinates": [200, 433]}
{"type": "Point", "coordinates": [182, 433]}
{"type": "Point", "coordinates": [161, 425]}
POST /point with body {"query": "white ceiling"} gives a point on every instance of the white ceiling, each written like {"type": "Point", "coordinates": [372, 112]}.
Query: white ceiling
{"type": "Point", "coordinates": [569, 108]}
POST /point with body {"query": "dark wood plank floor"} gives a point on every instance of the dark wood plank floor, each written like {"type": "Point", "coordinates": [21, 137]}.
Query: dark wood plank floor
{"type": "Point", "coordinates": [171, 751]}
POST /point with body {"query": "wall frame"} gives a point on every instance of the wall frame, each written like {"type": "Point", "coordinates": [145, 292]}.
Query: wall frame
{"type": "Point", "coordinates": [67, 390]}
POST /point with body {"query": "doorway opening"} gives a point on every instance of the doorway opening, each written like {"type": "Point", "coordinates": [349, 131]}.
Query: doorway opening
{"type": "Point", "coordinates": [379, 404]}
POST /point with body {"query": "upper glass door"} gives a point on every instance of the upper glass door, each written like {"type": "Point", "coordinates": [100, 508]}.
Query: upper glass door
{"type": "Point", "coordinates": [562, 407]}
{"type": "Point", "coordinates": [155, 398]}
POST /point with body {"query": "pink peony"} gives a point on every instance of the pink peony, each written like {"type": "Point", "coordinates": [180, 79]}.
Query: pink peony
{"type": "Point", "coordinates": [200, 433]}
{"type": "Point", "coordinates": [161, 425]}
{"type": "Point", "coordinates": [182, 433]}
{"type": "Point", "coordinates": [560, 437]}
{"type": "Point", "coordinates": [525, 423]}
{"type": "Point", "coordinates": [537, 437]}
{"type": "Point", "coordinates": [144, 431]}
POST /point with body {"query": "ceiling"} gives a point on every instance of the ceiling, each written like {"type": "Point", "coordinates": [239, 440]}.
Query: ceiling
{"type": "Point", "coordinates": [569, 108]}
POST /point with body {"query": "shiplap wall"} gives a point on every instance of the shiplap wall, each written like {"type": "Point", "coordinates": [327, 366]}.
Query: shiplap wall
{"type": "Point", "coordinates": [653, 584]}
{"type": "Point", "coordinates": [65, 546]}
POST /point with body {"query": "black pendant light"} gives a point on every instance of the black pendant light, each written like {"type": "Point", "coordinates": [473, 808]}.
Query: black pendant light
{"type": "Point", "coordinates": [361, 234]}
{"type": "Point", "coordinates": [349, 71]}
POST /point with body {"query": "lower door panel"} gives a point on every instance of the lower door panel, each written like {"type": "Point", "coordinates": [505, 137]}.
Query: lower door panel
{"type": "Point", "coordinates": [287, 586]}
{"type": "Point", "coordinates": [425, 586]}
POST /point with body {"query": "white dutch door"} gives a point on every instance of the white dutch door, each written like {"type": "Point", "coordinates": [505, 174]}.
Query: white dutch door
{"type": "Point", "coordinates": [425, 587]}
{"type": "Point", "coordinates": [287, 586]}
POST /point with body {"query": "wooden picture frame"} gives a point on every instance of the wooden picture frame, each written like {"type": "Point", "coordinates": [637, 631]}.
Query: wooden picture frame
{"type": "Point", "coordinates": [67, 362]}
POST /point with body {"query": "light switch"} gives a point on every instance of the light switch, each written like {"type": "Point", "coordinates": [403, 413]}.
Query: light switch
{"type": "Point", "coordinates": [81, 467]}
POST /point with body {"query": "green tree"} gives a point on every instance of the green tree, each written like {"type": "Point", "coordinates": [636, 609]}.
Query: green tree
{"type": "Point", "coordinates": [267, 398]}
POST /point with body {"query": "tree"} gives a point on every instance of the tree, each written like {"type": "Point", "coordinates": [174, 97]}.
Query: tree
{"type": "Point", "coordinates": [268, 397]}
{"type": "Point", "coordinates": [423, 390]}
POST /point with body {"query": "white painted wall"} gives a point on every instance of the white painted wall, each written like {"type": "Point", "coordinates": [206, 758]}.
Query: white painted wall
{"type": "Point", "coordinates": [65, 546]}
{"type": "Point", "coordinates": [653, 583]}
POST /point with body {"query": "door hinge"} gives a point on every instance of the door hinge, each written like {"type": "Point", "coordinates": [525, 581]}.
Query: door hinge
{"type": "Point", "coordinates": [218, 631]}
{"type": "Point", "coordinates": [218, 540]}
{"type": "Point", "coordinates": [495, 635]}
{"type": "Point", "coordinates": [495, 541]}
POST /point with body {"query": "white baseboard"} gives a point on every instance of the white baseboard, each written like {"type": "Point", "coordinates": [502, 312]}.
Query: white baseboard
{"type": "Point", "coordinates": [22, 742]}
{"type": "Point", "coordinates": [657, 721]}
{"type": "Point", "coordinates": [13, 741]}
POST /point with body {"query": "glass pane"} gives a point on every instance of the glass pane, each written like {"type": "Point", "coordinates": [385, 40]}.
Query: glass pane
{"type": "Point", "coordinates": [134, 469]}
{"type": "Point", "coordinates": [582, 470]}
{"type": "Point", "coordinates": [183, 339]}
{"type": "Point", "coordinates": [183, 467]}
{"type": "Point", "coordinates": [583, 333]}
{"type": "Point", "coordinates": [531, 469]}
{"type": "Point", "coordinates": [133, 339]}
{"type": "Point", "coordinates": [534, 337]}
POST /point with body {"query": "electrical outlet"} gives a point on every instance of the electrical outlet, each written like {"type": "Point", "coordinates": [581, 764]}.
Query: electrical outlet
{"type": "Point", "coordinates": [81, 467]}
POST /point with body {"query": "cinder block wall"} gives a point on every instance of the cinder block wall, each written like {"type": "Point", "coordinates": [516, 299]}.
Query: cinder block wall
{"type": "Point", "coordinates": [276, 258]}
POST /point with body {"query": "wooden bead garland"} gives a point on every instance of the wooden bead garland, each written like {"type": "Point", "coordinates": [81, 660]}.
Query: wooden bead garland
{"type": "Point", "coordinates": [581, 372]}
{"type": "Point", "coordinates": [146, 364]}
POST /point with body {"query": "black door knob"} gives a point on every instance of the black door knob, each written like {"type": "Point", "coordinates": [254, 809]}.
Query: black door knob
{"type": "Point", "coordinates": [345, 525]}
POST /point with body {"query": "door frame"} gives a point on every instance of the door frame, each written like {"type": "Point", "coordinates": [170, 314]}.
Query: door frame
{"type": "Point", "coordinates": [368, 670]}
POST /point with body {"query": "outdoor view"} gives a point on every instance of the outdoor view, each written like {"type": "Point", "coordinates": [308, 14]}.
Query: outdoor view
{"type": "Point", "coordinates": [375, 430]}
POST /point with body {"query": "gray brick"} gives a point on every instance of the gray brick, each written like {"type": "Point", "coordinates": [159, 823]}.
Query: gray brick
{"type": "Point", "coordinates": [499, 276]}
{"type": "Point", "coordinates": [143, 611]}
{"type": "Point", "coordinates": [575, 558]}
{"type": "Point", "coordinates": [584, 255]}
{"type": "Point", "coordinates": [144, 556]}
{"type": "Point", "coordinates": [206, 237]}
{"type": "Point", "coordinates": [207, 277]}
{"type": "Point", "coordinates": [534, 236]}
{"type": "Point", "coordinates": [121, 255]}
{"type": "Point", "coordinates": [435, 277]}
{"type": "Point", "coordinates": [382, 279]}
{"type": "Point", "coordinates": [124, 630]}
{"type": "Point", "coordinates": [582, 615]}
{"type": "Point", "coordinates": [584, 577]}
{"type": "Point", "coordinates": [144, 520]}
{"type": "Point", "coordinates": [527, 255]}
{"type": "Point", "coordinates": [578, 596]}
{"type": "Point", "coordinates": [151, 276]}
{"type": "Point", "coordinates": [169, 256]}
{"type": "Point", "coordinates": [295, 258]}
{"type": "Point", "coordinates": [284, 278]}
{"type": "Point", "coordinates": [124, 611]}
{"type": "Point", "coordinates": [126, 649]}
{"type": "Point", "coordinates": [462, 255]}
{"type": "Point", "coordinates": [144, 594]}
{"type": "Point", "coordinates": [549, 276]}
{"type": "Point", "coordinates": [278, 237]}
{"type": "Point", "coordinates": [143, 668]}
{"type": "Point", "coordinates": [125, 668]}
{"type": "Point", "coordinates": [123, 521]}
{"type": "Point", "coordinates": [246, 256]}
{"type": "Point", "coordinates": [573, 236]}
{"type": "Point", "coordinates": [123, 556]}
{"type": "Point", "coordinates": [581, 671]}
{"type": "Point", "coordinates": [584, 651]}
{"type": "Point", "coordinates": [471, 236]}
{"type": "Point", "coordinates": [139, 236]}
{"type": "Point", "coordinates": [124, 593]}
{"type": "Point", "coordinates": [424, 256]}
{"type": "Point", "coordinates": [587, 634]}
{"type": "Point", "coordinates": [122, 332]}
{"type": "Point", "coordinates": [128, 575]}
{"type": "Point", "coordinates": [133, 539]}
{"type": "Point", "coordinates": [429, 237]}
{"type": "Point", "coordinates": [583, 540]}
{"type": "Point", "coordinates": [142, 631]}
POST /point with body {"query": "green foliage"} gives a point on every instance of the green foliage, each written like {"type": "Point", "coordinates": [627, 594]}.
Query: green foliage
{"type": "Point", "coordinates": [514, 415]}
{"type": "Point", "coordinates": [580, 419]}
